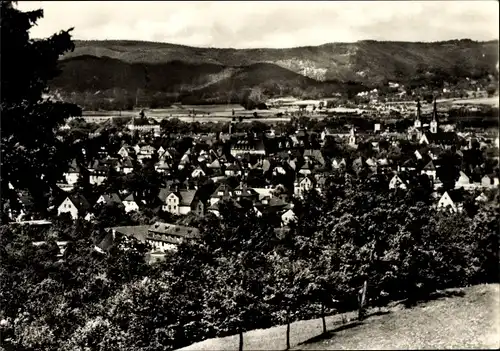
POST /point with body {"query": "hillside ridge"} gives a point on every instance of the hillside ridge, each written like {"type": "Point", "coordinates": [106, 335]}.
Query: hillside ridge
{"type": "Point", "coordinates": [211, 74]}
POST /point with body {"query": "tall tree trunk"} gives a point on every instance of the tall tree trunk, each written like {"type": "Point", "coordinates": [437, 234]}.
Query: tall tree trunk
{"type": "Point", "coordinates": [241, 340]}
{"type": "Point", "coordinates": [323, 318]}
{"type": "Point", "coordinates": [288, 333]}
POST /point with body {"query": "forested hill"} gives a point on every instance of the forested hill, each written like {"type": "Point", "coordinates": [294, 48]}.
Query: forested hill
{"type": "Point", "coordinates": [227, 74]}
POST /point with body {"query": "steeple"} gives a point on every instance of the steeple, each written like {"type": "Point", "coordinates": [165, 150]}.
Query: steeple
{"type": "Point", "coordinates": [434, 123]}
{"type": "Point", "coordinates": [352, 138]}
{"type": "Point", "coordinates": [434, 114]}
{"type": "Point", "coordinates": [418, 123]}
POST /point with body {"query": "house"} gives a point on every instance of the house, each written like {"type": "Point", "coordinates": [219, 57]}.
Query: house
{"type": "Point", "coordinates": [359, 164]}
{"type": "Point", "coordinates": [445, 139]}
{"type": "Point", "coordinates": [244, 192]}
{"type": "Point", "coordinates": [336, 163]}
{"type": "Point", "coordinates": [434, 152]}
{"type": "Point", "coordinates": [451, 202]}
{"type": "Point", "coordinates": [383, 162]}
{"type": "Point", "coordinates": [215, 208]}
{"type": "Point", "coordinates": [430, 170]}
{"type": "Point", "coordinates": [272, 205]}
{"type": "Point", "coordinates": [251, 146]}
{"type": "Point", "coordinates": [197, 173]}
{"type": "Point", "coordinates": [126, 166]}
{"type": "Point", "coordinates": [76, 205]}
{"type": "Point", "coordinates": [371, 162]}
{"type": "Point", "coordinates": [303, 185]}
{"type": "Point", "coordinates": [223, 191]}
{"type": "Point", "coordinates": [181, 202]}
{"type": "Point", "coordinates": [203, 157]}
{"type": "Point", "coordinates": [307, 168]}
{"type": "Point", "coordinates": [489, 181]}
{"type": "Point", "coordinates": [481, 198]}
{"type": "Point", "coordinates": [145, 125]}
{"type": "Point", "coordinates": [287, 217]}
{"type": "Point", "coordinates": [109, 199]}
{"type": "Point", "coordinates": [166, 236]}
{"type": "Point", "coordinates": [257, 212]}
{"type": "Point", "coordinates": [60, 244]}
{"type": "Point", "coordinates": [281, 144]}
{"type": "Point", "coordinates": [160, 236]}
{"type": "Point", "coordinates": [320, 182]}
{"type": "Point", "coordinates": [136, 148]}
{"type": "Point", "coordinates": [146, 151]}
{"type": "Point", "coordinates": [130, 204]}
{"type": "Point", "coordinates": [185, 160]}
{"type": "Point", "coordinates": [314, 155]}
{"type": "Point", "coordinates": [418, 154]}
{"type": "Point", "coordinates": [215, 165]}
{"type": "Point", "coordinates": [464, 182]}
{"type": "Point", "coordinates": [126, 151]}
{"type": "Point", "coordinates": [326, 133]}
{"type": "Point", "coordinates": [166, 155]}
{"type": "Point", "coordinates": [232, 170]}
{"type": "Point", "coordinates": [264, 193]}
{"type": "Point", "coordinates": [398, 181]}
{"type": "Point", "coordinates": [98, 172]}
{"type": "Point", "coordinates": [72, 174]}
{"type": "Point", "coordinates": [162, 166]}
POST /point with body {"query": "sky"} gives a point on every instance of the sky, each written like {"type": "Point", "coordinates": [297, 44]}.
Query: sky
{"type": "Point", "coordinates": [268, 24]}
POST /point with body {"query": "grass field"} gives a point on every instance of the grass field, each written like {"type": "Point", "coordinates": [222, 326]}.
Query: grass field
{"type": "Point", "coordinates": [490, 101]}
{"type": "Point", "coordinates": [458, 318]}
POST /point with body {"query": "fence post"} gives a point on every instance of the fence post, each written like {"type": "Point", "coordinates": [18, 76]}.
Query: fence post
{"type": "Point", "coordinates": [362, 300]}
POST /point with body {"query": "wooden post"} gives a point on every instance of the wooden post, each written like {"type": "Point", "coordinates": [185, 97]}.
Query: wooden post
{"type": "Point", "coordinates": [323, 318]}
{"type": "Point", "coordinates": [288, 333]}
{"type": "Point", "coordinates": [362, 300]}
{"type": "Point", "coordinates": [241, 340]}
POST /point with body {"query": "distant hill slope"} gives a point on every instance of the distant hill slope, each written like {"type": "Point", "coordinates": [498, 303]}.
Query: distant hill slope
{"type": "Point", "coordinates": [90, 78]}
{"type": "Point", "coordinates": [211, 73]}
{"type": "Point", "coordinates": [335, 61]}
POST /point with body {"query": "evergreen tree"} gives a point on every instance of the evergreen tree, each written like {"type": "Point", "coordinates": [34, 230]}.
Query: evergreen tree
{"type": "Point", "coordinates": [32, 156]}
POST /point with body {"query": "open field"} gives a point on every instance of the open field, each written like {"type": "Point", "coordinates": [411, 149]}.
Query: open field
{"type": "Point", "coordinates": [491, 101]}
{"type": "Point", "coordinates": [456, 318]}
{"type": "Point", "coordinates": [224, 113]}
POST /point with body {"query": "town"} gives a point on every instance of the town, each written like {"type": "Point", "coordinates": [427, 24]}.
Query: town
{"type": "Point", "coordinates": [261, 168]}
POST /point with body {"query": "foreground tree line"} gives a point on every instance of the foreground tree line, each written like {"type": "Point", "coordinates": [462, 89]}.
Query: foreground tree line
{"type": "Point", "coordinates": [241, 274]}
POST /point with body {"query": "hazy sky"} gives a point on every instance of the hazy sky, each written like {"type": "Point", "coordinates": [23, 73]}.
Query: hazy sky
{"type": "Point", "coordinates": [269, 24]}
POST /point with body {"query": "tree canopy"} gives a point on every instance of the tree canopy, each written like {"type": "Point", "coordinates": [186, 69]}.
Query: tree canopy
{"type": "Point", "coordinates": [30, 150]}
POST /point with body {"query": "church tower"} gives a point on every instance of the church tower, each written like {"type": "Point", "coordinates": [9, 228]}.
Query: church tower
{"type": "Point", "coordinates": [418, 123]}
{"type": "Point", "coordinates": [434, 123]}
{"type": "Point", "coordinates": [352, 137]}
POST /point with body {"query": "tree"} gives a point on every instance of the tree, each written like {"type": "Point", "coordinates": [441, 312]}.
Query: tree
{"type": "Point", "coordinates": [491, 90]}
{"type": "Point", "coordinates": [449, 171]}
{"type": "Point", "coordinates": [287, 281]}
{"type": "Point", "coordinates": [32, 156]}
